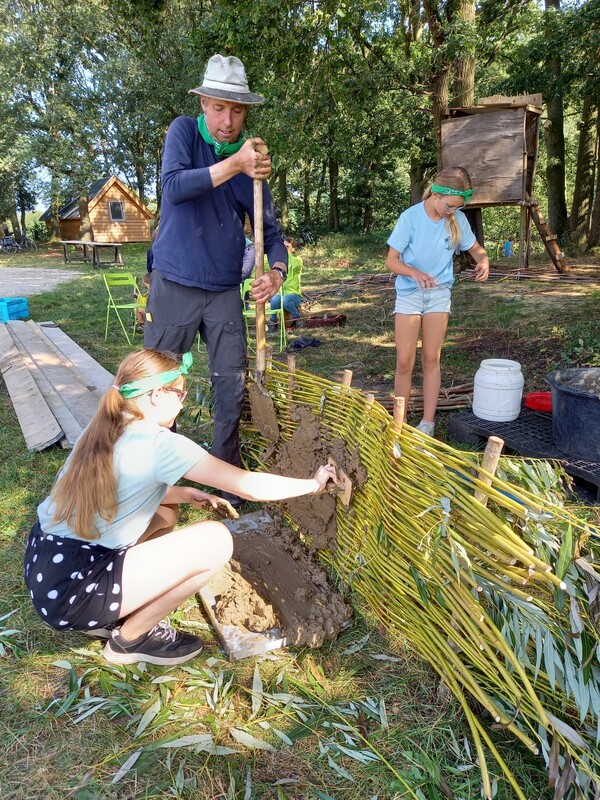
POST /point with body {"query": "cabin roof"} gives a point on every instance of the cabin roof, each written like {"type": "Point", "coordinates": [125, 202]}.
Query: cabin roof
{"type": "Point", "coordinates": [70, 209]}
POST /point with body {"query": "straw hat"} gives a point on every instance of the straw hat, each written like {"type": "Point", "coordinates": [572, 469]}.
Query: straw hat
{"type": "Point", "coordinates": [225, 78]}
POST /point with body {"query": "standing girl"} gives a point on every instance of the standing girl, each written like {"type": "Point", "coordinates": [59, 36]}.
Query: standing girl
{"type": "Point", "coordinates": [422, 245]}
{"type": "Point", "coordinates": [98, 557]}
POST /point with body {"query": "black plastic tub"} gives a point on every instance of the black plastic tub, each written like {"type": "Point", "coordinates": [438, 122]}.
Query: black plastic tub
{"type": "Point", "coordinates": [576, 411]}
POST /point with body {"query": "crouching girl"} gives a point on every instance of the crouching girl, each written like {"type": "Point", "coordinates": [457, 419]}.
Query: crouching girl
{"type": "Point", "coordinates": [105, 555]}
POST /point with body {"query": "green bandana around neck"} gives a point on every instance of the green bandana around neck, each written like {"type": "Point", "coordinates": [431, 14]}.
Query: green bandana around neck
{"type": "Point", "coordinates": [466, 194]}
{"type": "Point", "coordinates": [222, 149]}
{"type": "Point", "coordinates": [145, 385]}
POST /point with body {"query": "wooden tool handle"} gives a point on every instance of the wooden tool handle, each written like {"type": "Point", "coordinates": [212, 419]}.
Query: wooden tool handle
{"type": "Point", "coordinates": [259, 268]}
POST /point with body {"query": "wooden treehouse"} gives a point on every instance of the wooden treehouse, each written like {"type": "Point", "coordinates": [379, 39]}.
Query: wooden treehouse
{"type": "Point", "coordinates": [497, 140]}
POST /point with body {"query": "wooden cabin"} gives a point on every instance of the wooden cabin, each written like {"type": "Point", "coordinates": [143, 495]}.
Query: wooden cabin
{"type": "Point", "coordinates": [116, 214]}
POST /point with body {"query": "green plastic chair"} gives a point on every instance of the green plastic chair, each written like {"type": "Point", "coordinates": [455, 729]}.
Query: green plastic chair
{"type": "Point", "coordinates": [122, 290]}
{"type": "Point", "coordinates": [249, 312]}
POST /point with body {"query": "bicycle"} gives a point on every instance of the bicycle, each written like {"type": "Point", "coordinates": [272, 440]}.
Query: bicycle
{"type": "Point", "coordinates": [306, 236]}
{"type": "Point", "coordinates": [27, 244]}
{"type": "Point", "coordinates": [8, 245]}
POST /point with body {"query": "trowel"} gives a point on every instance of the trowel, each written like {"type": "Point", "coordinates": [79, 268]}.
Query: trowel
{"type": "Point", "coordinates": [343, 489]}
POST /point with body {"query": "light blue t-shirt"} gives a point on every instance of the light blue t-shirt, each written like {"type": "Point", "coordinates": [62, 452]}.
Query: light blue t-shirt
{"type": "Point", "coordinates": [147, 459]}
{"type": "Point", "coordinates": [425, 245]}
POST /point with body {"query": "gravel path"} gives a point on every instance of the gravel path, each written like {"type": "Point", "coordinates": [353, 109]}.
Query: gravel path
{"type": "Point", "coordinates": [27, 281]}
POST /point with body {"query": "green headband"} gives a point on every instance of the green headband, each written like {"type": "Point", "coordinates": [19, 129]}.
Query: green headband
{"type": "Point", "coordinates": [144, 385]}
{"type": "Point", "coordinates": [467, 194]}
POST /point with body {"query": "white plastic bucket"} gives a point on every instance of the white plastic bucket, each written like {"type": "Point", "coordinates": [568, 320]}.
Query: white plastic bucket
{"type": "Point", "coordinates": [498, 389]}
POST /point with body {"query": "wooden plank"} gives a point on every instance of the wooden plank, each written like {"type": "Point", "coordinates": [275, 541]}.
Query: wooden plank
{"type": "Point", "coordinates": [38, 424]}
{"type": "Point", "coordinates": [516, 101]}
{"type": "Point", "coordinates": [71, 429]}
{"type": "Point", "coordinates": [94, 372]}
{"type": "Point", "coordinates": [75, 394]}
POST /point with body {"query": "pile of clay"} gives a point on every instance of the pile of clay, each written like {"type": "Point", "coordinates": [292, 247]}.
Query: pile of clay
{"type": "Point", "coordinates": [274, 582]}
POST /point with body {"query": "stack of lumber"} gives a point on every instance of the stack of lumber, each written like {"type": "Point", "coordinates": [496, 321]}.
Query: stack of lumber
{"type": "Point", "coordinates": [451, 398]}
{"type": "Point", "coordinates": [54, 385]}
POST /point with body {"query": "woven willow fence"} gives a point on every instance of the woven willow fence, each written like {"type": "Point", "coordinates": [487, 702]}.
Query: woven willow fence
{"type": "Point", "coordinates": [502, 600]}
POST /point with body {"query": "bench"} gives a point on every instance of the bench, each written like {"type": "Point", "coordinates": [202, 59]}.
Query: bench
{"type": "Point", "coordinates": [79, 250]}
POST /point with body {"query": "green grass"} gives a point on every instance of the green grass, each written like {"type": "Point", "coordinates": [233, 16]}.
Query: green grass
{"type": "Point", "coordinates": [48, 747]}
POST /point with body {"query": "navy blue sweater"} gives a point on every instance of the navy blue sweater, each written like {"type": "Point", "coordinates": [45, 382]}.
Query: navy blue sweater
{"type": "Point", "coordinates": [201, 241]}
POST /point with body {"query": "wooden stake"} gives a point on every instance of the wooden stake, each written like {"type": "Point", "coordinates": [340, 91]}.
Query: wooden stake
{"type": "Point", "coordinates": [347, 378]}
{"type": "Point", "coordinates": [399, 406]}
{"type": "Point", "coordinates": [291, 365]}
{"type": "Point", "coordinates": [489, 463]}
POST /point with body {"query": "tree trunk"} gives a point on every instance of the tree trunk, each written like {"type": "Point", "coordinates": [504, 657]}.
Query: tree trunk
{"type": "Point", "coordinates": [14, 221]}
{"type": "Point", "coordinates": [334, 213]}
{"type": "Point", "coordinates": [440, 73]}
{"type": "Point", "coordinates": [306, 192]}
{"type": "Point", "coordinates": [594, 234]}
{"type": "Point", "coordinates": [22, 212]}
{"type": "Point", "coordinates": [417, 181]}
{"type": "Point", "coordinates": [85, 226]}
{"type": "Point", "coordinates": [320, 190]}
{"type": "Point", "coordinates": [140, 180]}
{"type": "Point", "coordinates": [555, 137]}
{"type": "Point", "coordinates": [441, 92]}
{"type": "Point", "coordinates": [464, 65]}
{"type": "Point", "coordinates": [583, 193]}
{"type": "Point", "coordinates": [54, 234]}
{"type": "Point", "coordinates": [283, 202]}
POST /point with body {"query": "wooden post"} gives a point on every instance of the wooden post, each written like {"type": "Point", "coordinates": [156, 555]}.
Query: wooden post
{"type": "Point", "coordinates": [524, 238]}
{"type": "Point", "coordinates": [489, 463]}
{"type": "Point", "coordinates": [347, 378]}
{"type": "Point", "coordinates": [399, 406]}
{"type": "Point", "coordinates": [291, 365]}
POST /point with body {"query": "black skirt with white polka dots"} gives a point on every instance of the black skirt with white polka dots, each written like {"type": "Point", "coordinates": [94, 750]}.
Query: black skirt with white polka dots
{"type": "Point", "coordinates": [74, 585]}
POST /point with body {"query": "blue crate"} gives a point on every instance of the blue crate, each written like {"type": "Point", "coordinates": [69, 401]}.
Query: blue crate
{"type": "Point", "coordinates": [13, 308]}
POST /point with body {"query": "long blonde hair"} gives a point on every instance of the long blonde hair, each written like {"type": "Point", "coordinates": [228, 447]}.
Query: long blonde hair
{"type": "Point", "coordinates": [453, 178]}
{"type": "Point", "coordinates": [88, 487]}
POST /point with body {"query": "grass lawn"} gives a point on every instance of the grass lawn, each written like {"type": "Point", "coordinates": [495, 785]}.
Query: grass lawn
{"type": "Point", "coordinates": [359, 718]}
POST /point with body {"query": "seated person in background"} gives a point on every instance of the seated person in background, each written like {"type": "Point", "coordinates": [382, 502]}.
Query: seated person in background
{"type": "Point", "coordinates": [292, 291]}
{"type": "Point", "coordinates": [248, 267]}
{"type": "Point", "coordinates": [509, 246]}
{"type": "Point", "coordinates": [248, 259]}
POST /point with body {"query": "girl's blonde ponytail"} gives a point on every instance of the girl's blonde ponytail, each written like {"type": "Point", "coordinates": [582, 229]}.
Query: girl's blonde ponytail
{"type": "Point", "coordinates": [88, 487]}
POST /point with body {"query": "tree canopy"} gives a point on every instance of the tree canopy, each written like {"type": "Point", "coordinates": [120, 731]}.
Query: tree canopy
{"type": "Point", "coordinates": [355, 95]}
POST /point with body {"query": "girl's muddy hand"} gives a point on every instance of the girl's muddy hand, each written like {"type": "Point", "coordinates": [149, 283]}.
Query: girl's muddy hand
{"type": "Point", "coordinates": [323, 475]}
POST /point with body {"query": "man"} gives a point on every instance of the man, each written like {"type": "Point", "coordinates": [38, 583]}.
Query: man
{"type": "Point", "coordinates": [207, 190]}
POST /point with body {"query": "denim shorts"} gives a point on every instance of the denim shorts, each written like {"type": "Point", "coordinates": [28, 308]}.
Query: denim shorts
{"type": "Point", "coordinates": [424, 301]}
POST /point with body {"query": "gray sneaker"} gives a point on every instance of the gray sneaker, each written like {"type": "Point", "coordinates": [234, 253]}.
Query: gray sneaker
{"type": "Point", "coordinates": [426, 427]}
{"type": "Point", "coordinates": [162, 645]}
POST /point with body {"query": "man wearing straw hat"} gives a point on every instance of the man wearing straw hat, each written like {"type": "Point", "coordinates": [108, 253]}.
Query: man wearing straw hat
{"type": "Point", "coordinates": [207, 178]}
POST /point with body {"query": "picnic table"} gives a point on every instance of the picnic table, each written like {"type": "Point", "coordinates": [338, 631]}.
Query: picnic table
{"type": "Point", "coordinates": [79, 250]}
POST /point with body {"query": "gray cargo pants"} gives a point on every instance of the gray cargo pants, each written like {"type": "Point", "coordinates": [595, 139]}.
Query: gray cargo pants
{"type": "Point", "coordinates": [174, 315]}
